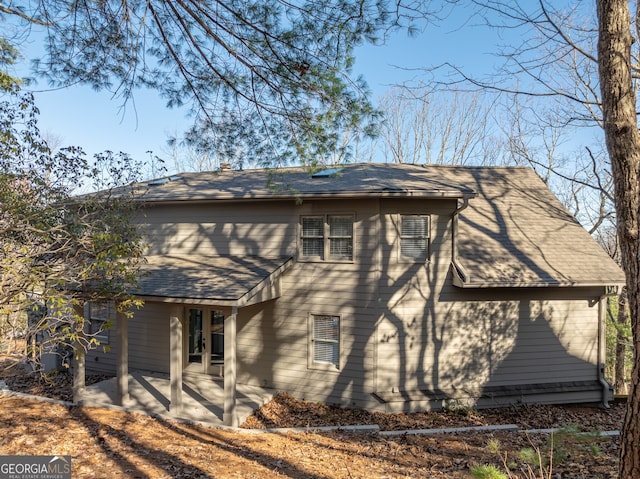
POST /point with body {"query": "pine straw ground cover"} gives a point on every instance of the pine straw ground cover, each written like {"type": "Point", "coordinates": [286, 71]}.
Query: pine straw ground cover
{"type": "Point", "coordinates": [106, 443]}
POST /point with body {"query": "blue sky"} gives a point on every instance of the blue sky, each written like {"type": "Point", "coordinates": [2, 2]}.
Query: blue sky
{"type": "Point", "coordinates": [95, 121]}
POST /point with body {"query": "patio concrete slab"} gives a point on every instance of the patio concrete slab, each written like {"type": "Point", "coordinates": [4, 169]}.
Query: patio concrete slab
{"type": "Point", "coordinates": [203, 396]}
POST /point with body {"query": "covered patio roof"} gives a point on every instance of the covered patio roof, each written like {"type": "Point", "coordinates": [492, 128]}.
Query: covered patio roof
{"type": "Point", "coordinates": [211, 280]}
{"type": "Point", "coordinates": [231, 281]}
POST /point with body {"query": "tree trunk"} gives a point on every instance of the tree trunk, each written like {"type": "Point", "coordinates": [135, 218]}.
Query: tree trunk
{"type": "Point", "coordinates": [621, 344]}
{"type": "Point", "coordinates": [623, 144]}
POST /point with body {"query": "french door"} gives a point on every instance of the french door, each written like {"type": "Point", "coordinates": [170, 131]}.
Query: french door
{"type": "Point", "coordinates": [205, 348]}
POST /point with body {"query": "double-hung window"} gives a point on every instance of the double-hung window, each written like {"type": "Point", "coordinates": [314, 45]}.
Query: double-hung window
{"type": "Point", "coordinates": [326, 237]}
{"type": "Point", "coordinates": [414, 237]}
{"type": "Point", "coordinates": [325, 342]}
{"type": "Point", "coordinates": [101, 315]}
{"type": "Point", "coordinates": [313, 237]}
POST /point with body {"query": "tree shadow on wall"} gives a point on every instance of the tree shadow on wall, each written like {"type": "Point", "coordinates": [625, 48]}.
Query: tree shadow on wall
{"type": "Point", "coordinates": [554, 353]}
{"type": "Point", "coordinates": [499, 351]}
{"type": "Point", "coordinates": [519, 350]}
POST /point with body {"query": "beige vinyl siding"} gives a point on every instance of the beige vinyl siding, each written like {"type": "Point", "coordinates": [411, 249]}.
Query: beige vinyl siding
{"type": "Point", "coordinates": [407, 298]}
{"type": "Point", "coordinates": [275, 355]}
{"type": "Point", "coordinates": [148, 343]}
{"type": "Point", "coordinates": [435, 337]}
{"type": "Point", "coordinates": [404, 326]}
{"type": "Point", "coordinates": [439, 211]}
{"type": "Point", "coordinates": [273, 341]}
{"type": "Point", "coordinates": [543, 337]}
{"type": "Point", "coordinates": [150, 327]}
{"type": "Point", "coordinates": [99, 361]}
{"type": "Point", "coordinates": [266, 229]}
{"type": "Point", "coordinates": [351, 383]}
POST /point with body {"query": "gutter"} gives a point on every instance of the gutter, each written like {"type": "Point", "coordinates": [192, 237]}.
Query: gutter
{"type": "Point", "coordinates": [463, 282]}
{"type": "Point", "coordinates": [150, 199]}
{"type": "Point", "coordinates": [460, 276]}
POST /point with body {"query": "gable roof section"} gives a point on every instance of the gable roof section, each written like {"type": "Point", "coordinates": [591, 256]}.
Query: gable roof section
{"type": "Point", "coordinates": [213, 280]}
{"type": "Point", "coordinates": [514, 232]}
{"type": "Point", "coordinates": [517, 233]}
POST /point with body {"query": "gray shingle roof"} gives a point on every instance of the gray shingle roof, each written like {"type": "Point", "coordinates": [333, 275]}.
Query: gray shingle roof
{"type": "Point", "coordinates": [515, 232]}
{"type": "Point", "coordinates": [354, 180]}
{"type": "Point", "coordinates": [212, 279]}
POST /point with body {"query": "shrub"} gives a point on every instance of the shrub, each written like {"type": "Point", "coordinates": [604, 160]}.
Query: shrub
{"type": "Point", "coordinates": [487, 471]}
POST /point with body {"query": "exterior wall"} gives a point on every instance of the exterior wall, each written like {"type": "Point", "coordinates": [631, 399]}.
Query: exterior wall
{"type": "Point", "coordinates": [148, 343]}
{"type": "Point", "coordinates": [102, 359]}
{"type": "Point", "coordinates": [273, 346]}
{"type": "Point", "coordinates": [409, 338]}
{"type": "Point", "coordinates": [494, 347]}
{"type": "Point", "coordinates": [440, 342]}
{"type": "Point", "coordinates": [263, 228]}
{"type": "Point", "coordinates": [150, 327]}
{"type": "Point", "coordinates": [407, 323]}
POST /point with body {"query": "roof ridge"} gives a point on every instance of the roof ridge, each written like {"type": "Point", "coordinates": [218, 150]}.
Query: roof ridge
{"type": "Point", "coordinates": [350, 165]}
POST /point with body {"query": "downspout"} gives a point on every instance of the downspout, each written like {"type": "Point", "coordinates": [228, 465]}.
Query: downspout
{"type": "Point", "coordinates": [602, 341]}
{"type": "Point", "coordinates": [458, 271]}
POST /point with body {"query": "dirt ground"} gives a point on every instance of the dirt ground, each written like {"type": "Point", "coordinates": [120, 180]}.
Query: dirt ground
{"type": "Point", "coordinates": [106, 443]}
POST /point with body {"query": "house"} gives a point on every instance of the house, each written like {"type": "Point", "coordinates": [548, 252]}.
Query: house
{"type": "Point", "coordinates": [386, 287]}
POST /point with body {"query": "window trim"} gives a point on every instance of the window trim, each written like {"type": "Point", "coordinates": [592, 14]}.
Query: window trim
{"type": "Point", "coordinates": [427, 239]}
{"type": "Point", "coordinates": [326, 239]}
{"type": "Point", "coordinates": [317, 365]}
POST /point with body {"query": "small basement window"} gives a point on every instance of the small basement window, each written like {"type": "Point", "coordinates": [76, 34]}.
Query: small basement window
{"type": "Point", "coordinates": [325, 342]}
{"type": "Point", "coordinates": [414, 237]}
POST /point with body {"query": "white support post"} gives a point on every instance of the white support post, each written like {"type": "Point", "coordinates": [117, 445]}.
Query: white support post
{"type": "Point", "coordinates": [175, 355]}
{"type": "Point", "coordinates": [230, 417]}
{"type": "Point", "coordinates": [79, 357]}
{"type": "Point", "coordinates": [122, 362]}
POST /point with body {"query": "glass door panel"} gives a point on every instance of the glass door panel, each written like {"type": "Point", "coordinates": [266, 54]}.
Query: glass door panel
{"type": "Point", "coordinates": [205, 341]}
{"type": "Point", "coordinates": [217, 337]}
{"type": "Point", "coordinates": [196, 345]}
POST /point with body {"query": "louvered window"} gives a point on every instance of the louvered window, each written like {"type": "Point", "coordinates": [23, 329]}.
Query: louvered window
{"type": "Point", "coordinates": [313, 236]}
{"type": "Point", "coordinates": [341, 237]}
{"type": "Point", "coordinates": [101, 316]}
{"type": "Point", "coordinates": [327, 237]}
{"type": "Point", "coordinates": [414, 237]}
{"type": "Point", "coordinates": [326, 340]}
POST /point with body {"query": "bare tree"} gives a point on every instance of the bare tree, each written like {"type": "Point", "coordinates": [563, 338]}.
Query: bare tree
{"type": "Point", "coordinates": [623, 144]}
{"type": "Point", "coordinates": [585, 62]}
{"type": "Point", "coordinates": [425, 126]}
{"type": "Point", "coordinates": [553, 58]}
